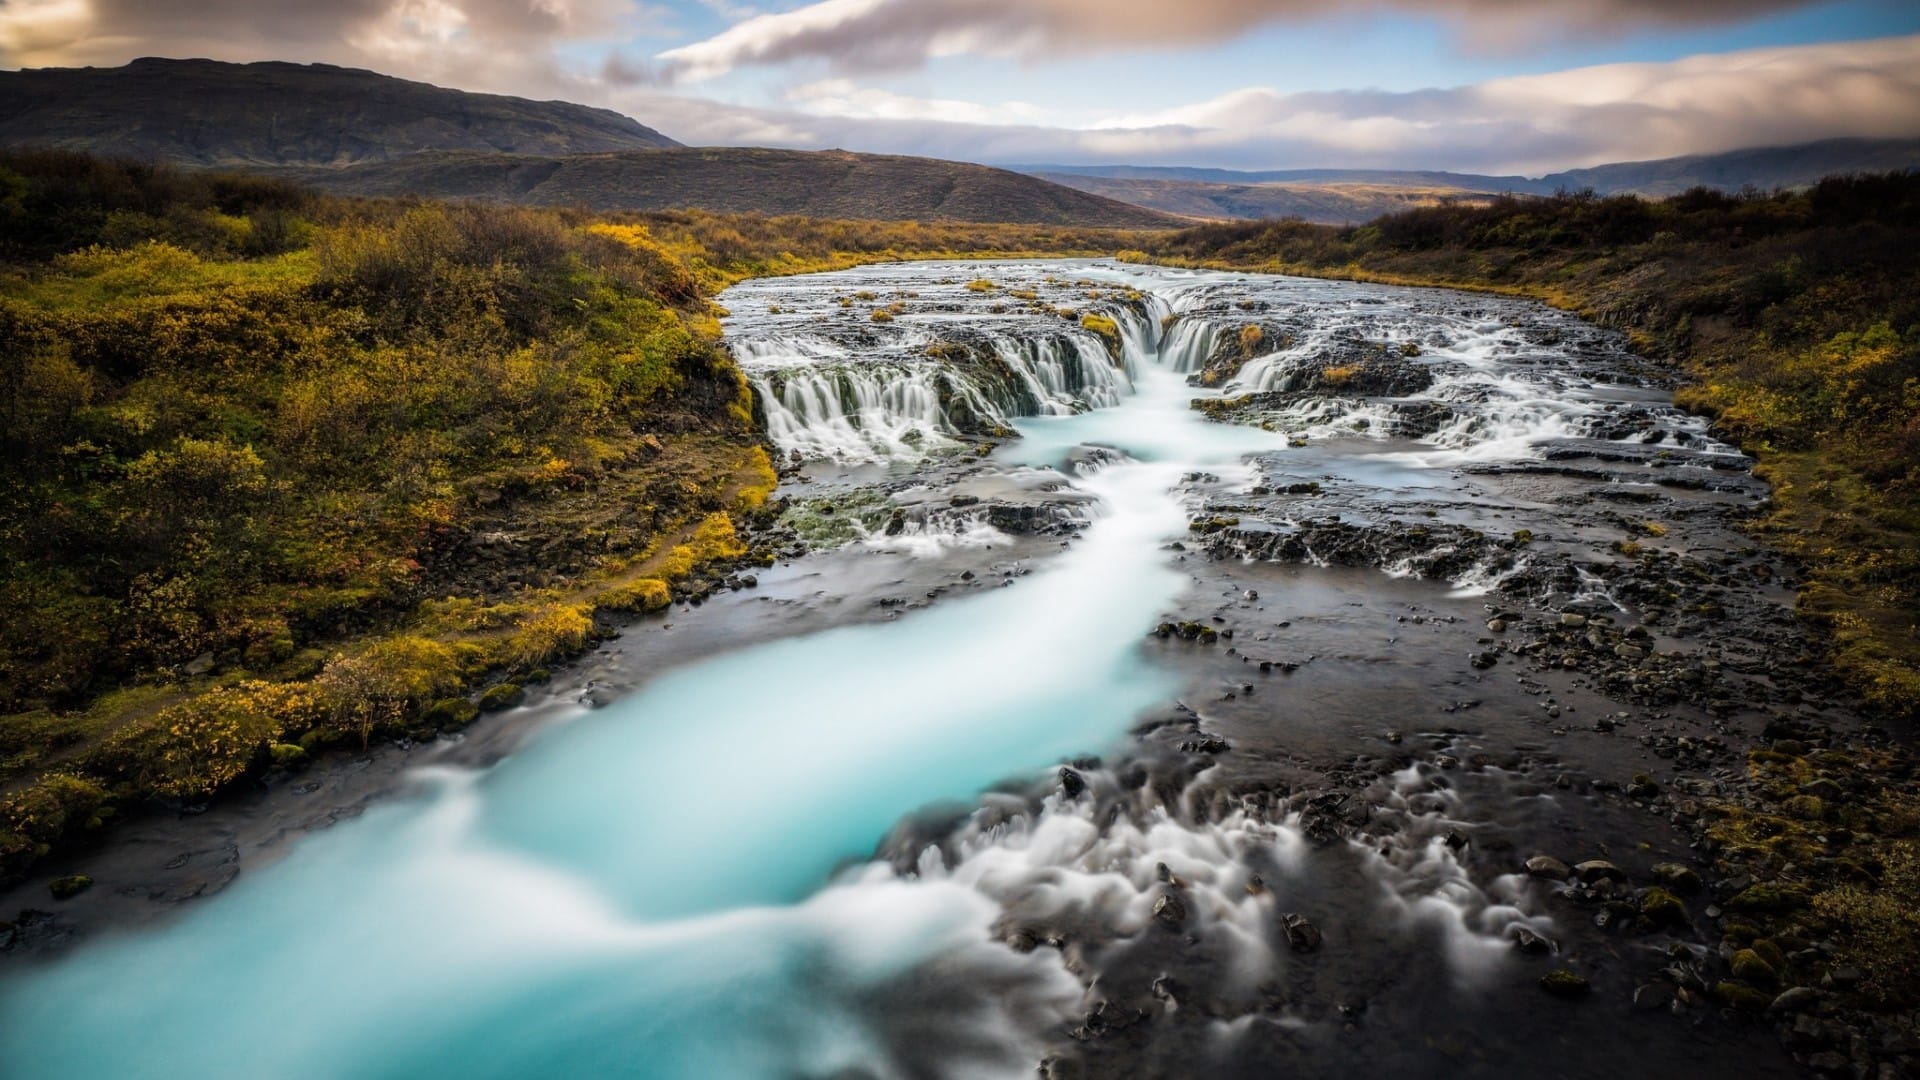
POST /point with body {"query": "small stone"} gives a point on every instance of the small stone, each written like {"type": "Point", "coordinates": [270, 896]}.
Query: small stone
{"type": "Point", "coordinates": [1649, 997]}
{"type": "Point", "coordinates": [1546, 866]}
{"type": "Point", "coordinates": [1573, 620]}
{"type": "Point", "coordinates": [1528, 942]}
{"type": "Point", "coordinates": [1302, 936]}
{"type": "Point", "coordinates": [70, 886]}
{"type": "Point", "coordinates": [1629, 652]}
{"type": "Point", "coordinates": [1170, 911]}
{"type": "Point", "coordinates": [1795, 999]}
{"type": "Point", "coordinates": [1498, 626]}
{"type": "Point", "coordinates": [1598, 870]}
{"type": "Point", "coordinates": [1563, 983]}
{"type": "Point", "coordinates": [1681, 879]}
{"type": "Point", "coordinates": [1072, 782]}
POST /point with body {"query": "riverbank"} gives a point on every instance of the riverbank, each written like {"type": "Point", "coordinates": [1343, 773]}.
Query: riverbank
{"type": "Point", "coordinates": [288, 475]}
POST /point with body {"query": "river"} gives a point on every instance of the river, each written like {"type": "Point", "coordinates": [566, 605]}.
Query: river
{"type": "Point", "coordinates": [1032, 817]}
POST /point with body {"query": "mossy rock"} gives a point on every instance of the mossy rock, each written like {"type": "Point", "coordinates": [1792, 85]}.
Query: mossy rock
{"type": "Point", "coordinates": [1775, 957]}
{"type": "Point", "coordinates": [1566, 984]}
{"type": "Point", "coordinates": [1748, 966]}
{"type": "Point", "coordinates": [1769, 898]}
{"type": "Point", "coordinates": [450, 713]}
{"type": "Point", "coordinates": [1660, 908]}
{"type": "Point", "coordinates": [1677, 878]}
{"type": "Point", "coordinates": [69, 886]}
{"type": "Point", "coordinates": [287, 755]}
{"type": "Point", "coordinates": [539, 676]}
{"type": "Point", "coordinates": [1806, 807]}
{"type": "Point", "coordinates": [1746, 998]}
{"type": "Point", "coordinates": [503, 696]}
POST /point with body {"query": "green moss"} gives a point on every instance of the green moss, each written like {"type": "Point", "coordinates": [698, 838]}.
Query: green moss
{"type": "Point", "coordinates": [1566, 984]}
{"type": "Point", "coordinates": [69, 886]}
{"type": "Point", "coordinates": [502, 696]}
{"type": "Point", "coordinates": [450, 714]}
{"type": "Point", "coordinates": [287, 755]}
{"type": "Point", "coordinates": [1660, 908]}
{"type": "Point", "coordinates": [1748, 966]}
{"type": "Point", "coordinates": [1770, 898]}
{"type": "Point", "coordinates": [1745, 998]}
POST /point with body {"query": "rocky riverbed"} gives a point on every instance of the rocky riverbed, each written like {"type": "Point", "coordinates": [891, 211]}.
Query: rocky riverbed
{"type": "Point", "coordinates": [1163, 671]}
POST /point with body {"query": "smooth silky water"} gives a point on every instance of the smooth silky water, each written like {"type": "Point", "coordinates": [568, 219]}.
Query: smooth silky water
{"type": "Point", "coordinates": [671, 886]}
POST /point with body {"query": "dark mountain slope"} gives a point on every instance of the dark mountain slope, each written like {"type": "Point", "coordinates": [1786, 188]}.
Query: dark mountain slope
{"type": "Point", "coordinates": [204, 112]}
{"type": "Point", "coordinates": [827, 184]}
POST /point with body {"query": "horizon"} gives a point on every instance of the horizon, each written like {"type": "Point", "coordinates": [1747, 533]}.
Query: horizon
{"type": "Point", "coordinates": [1461, 86]}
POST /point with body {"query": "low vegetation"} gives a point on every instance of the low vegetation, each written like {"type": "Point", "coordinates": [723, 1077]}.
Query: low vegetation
{"type": "Point", "coordinates": [1795, 315]}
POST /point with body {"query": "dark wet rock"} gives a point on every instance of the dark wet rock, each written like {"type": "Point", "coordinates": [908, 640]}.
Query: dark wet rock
{"type": "Point", "coordinates": [69, 886]}
{"type": "Point", "coordinates": [1302, 935]}
{"type": "Point", "coordinates": [1170, 911]}
{"type": "Point", "coordinates": [1546, 866]}
{"type": "Point", "coordinates": [1594, 870]}
{"type": "Point", "coordinates": [1072, 782]}
{"type": "Point", "coordinates": [1168, 988]}
{"type": "Point", "coordinates": [1795, 999]}
{"type": "Point", "coordinates": [1105, 1019]}
{"type": "Point", "coordinates": [1526, 941]}
{"type": "Point", "coordinates": [1566, 984]}
{"type": "Point", "coordinates": [1649, 997]}
{"type": "Point", "coordinates": [1678, 878]}
{"type": "Point", "coordinates": [1204, 743]}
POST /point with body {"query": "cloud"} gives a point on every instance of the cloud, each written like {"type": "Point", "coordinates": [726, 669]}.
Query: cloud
{"type": "Point", "coordinates": [552, 48]}
{"type": "Point", "coordinates": [506, 45]}
{"type": "Point", "coordinates": [893, 35]}
{"type": "Point", "coordinates": [1531, 124]}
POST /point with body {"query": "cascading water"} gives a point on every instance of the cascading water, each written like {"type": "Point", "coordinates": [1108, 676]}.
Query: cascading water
{"type": "Point", "coordinates": [650, 889]}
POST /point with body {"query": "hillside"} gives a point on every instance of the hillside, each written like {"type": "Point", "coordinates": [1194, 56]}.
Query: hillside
{"type": "Point", "coordinates": [203, 112]}
{"type": "Point", "coordinates": [1325, 204]}
{"type": "Point", "coordinates": [1765, 168]}
{"type": "Point", "coordinates": [1339, 196]}
{"type": "Point", "coordinates": [824, 184]}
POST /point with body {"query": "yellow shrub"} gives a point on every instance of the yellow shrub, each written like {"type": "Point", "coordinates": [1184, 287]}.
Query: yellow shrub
{"type": "Point", "coordinates": [556, 630]}
{"type": "Point", "coordinates": [646, 594]}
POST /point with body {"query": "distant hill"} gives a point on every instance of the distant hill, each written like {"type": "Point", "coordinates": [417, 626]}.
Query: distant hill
{"type": "Point", "coordinates": [828, 183]}
{"type": "Point", "coordinates": [1333, 196]}
{"type": "Point", "coordinates": [1417, 178]}
{"type": "Point", "coordinates": [1321, 203]}
{"type": "Point", "coordinates": [1765, 168]}
{"type": "Point", "coordinates": [208, 113]}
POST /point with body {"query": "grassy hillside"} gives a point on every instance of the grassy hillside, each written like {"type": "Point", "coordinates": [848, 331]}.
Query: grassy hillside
{"type": "Point", "coordinates": [283, 471]}
{"type": "Point", "coordinates": [1795, 316]}
{"type": "Point", "coordinates": [1322, 203]}
{"type": "Point", "coordinates": [827, 184]}
{"type": "Point", "coordinates": [203, 112]}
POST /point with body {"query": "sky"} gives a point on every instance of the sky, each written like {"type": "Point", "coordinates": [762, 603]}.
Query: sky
{"type": "Point", "coordinates": [1499, 86]}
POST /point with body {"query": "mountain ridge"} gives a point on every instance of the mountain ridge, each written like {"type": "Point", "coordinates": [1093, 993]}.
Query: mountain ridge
{"type": "Point", "coordinates": [810, 183]}
{"type": "Point", "coordinates": [211, 113]}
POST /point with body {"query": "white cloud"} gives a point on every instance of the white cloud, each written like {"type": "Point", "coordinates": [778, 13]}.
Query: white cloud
{"type": "Point", "coordinates": [894, 35]}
